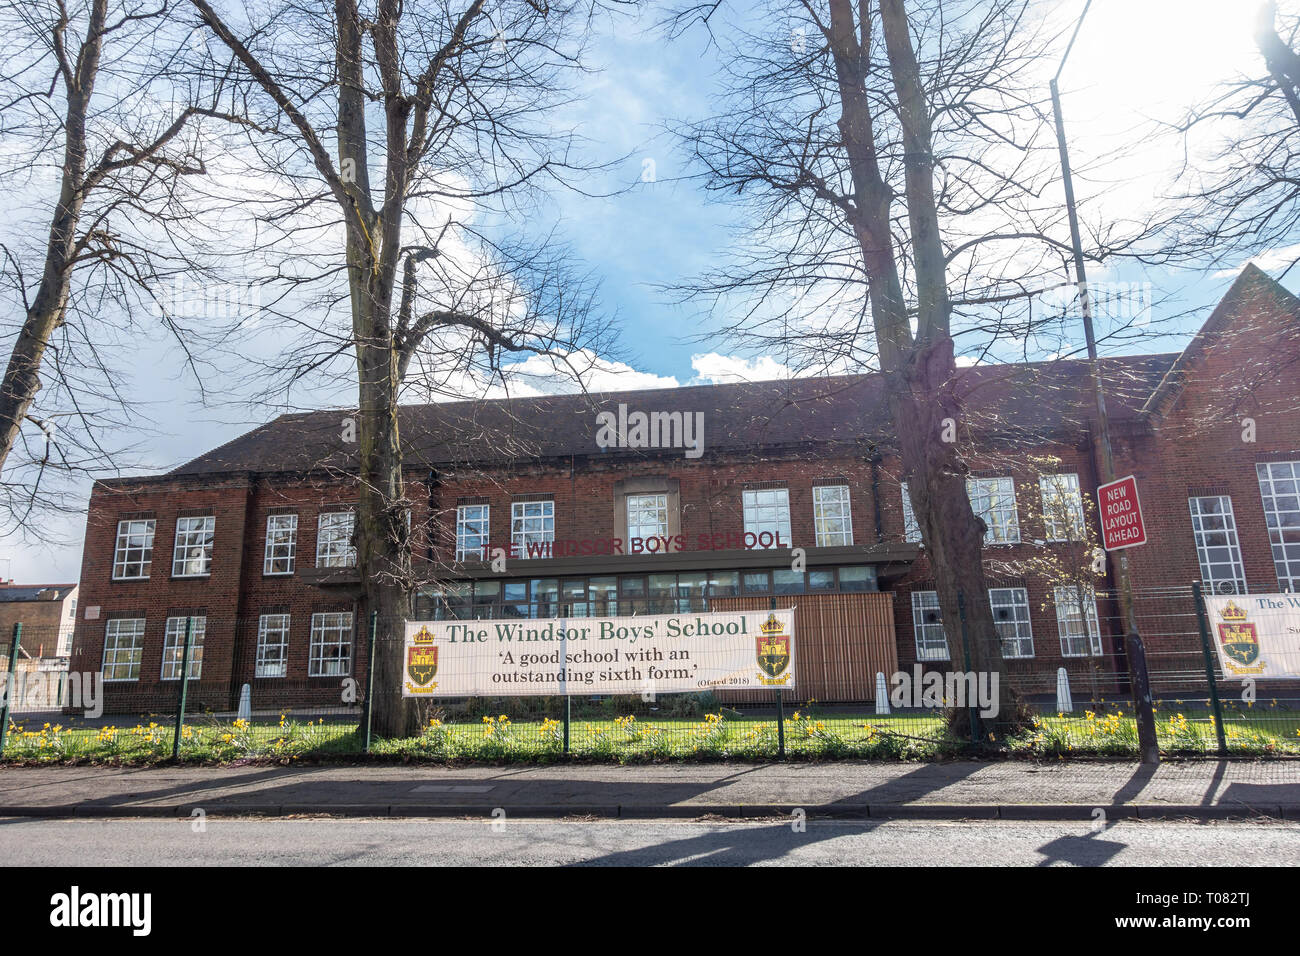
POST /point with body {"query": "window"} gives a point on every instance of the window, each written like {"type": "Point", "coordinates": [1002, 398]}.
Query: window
{"type": "Point", "coordinates": [994, 500]}
{"type": "Point", "coordinates": [192, 557]}
{"type": "Point", "coordinates": [691, 589]}
{"type": "Point", "coordinates": [1078, 626]}
{"type": "Point", "coordinates": [573, 597]}
{"type": "Point", "coordinates": [927, 622]}
{"type": "Point", "coordinates": [1279, 488]}
{"type": "Point", "coordinates": [724, 583]}
{"type": "Point", "coordinates": [860, 578]}
{"type": "Point", "coordinates": [471, 531]}
{"type": "Point", "coordinates": [647, 516]}
{"type": "Point", "coordinates": [334, 548]}
{"type": "Point", "coordinates": [487, 594]}
{"type": "Point", "coordinates": [123, 646]}
{"type": "Point", "coordinates": [831, 519]}
{"type": "Point", "coordinates": [821, 580]}
{"type": "Point", "coordinates": [272, 645]}
{"type": "Point", "coordinates": [604, 596]}
{"type": "Point", "coordinates": [768, 512]}
{"type": "Point", "coordinates": [515, 600]}
{"type": "Point", "coordinates": [532, 528]}
{"type": "Point", "coordinates": [785, 581]}
{"type": "Point", "coordinates": [911, 530]}
{"type": "Point", "coordinates": [174, 648]}
{"type": "Point", "coordinates": [757, 582]}
{"type": "Point", "coordinates": [1215, 530]}
{"type": "Point", "coordinates": [133, 556]}
{"type": "Point", "coordinates": [72, 609]}
{"type": "Point", "coordinates": [1011, 618]}
{"type": "Point", "coordinates": [1062, 507]}
{"type": "Point", "coordinates": [331, 645]}
{"type": "Point", "coordinates": [281, 544]}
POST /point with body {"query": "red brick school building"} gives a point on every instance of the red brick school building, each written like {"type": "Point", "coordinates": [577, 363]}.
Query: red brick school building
{"type": "Point", "coordinates": [254, 539]}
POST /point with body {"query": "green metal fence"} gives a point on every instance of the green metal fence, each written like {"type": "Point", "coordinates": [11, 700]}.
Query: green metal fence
{"type": "Point", "coordinates": [324, 714]}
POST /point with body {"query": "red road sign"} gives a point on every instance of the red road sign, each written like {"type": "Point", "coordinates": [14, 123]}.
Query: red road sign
{"type": "Point", "coordinates": [1121, 515]}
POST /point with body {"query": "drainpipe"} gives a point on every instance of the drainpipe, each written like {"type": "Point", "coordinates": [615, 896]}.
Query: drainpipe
{"type": "Point", "coordinates": [432, 484]}
{"type": "Point", "coordinates": [875, 460]}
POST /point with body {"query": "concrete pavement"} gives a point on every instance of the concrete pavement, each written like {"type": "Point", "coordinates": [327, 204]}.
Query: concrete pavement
{"type": "Point", "coordinates": [847, 789]}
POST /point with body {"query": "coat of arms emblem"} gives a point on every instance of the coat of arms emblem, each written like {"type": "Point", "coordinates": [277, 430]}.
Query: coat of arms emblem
{"type": "Point", "coordinates": [1238, 636]}
{"type": "Point", "coordinates": [773, 652]}
{"type": "Point", "coordinates": [422, 659]}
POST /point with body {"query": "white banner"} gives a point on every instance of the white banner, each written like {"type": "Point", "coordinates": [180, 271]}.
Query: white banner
{"type": "Point", "coordinates": [1257, 635]}
{"type": "Point", "coordinates": [655, 654]}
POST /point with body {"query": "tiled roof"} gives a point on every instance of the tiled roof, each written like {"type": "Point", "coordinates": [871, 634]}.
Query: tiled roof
{"type": "Point", "coordinates": [13, 593]}
{"type": "Point", "coordinates": [1013, 402]}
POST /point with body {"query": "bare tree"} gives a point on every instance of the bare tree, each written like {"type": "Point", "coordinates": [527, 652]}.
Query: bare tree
{"type": "Point", "coordinates": [1238, 188]}
{"type": "Point", "coordinates": [418, 130]}
{"type": "Point", "coordinates": [895, 157]}
{"type": "Point", "coordinates": [98, 132]}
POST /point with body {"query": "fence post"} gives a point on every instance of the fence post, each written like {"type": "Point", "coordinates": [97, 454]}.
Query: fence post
{"type": "Point", "coordinates": [185, 683]}
{"type": "Point", "coordinates": [1204, 623]}
{"type": "Point", "coordinates": [780, 704]}
{"type": "Point", "coordinates": [971, 716]}
{"type": "Point", "coordinates": [11, 685]}
{"type": "Point", "coordinates": [370, 675]}
{"type": "Point", "coordinates": [567, 715]}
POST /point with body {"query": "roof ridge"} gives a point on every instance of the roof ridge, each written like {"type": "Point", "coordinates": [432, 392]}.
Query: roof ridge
{"type": "Point", "coordinates": [1171, 384]}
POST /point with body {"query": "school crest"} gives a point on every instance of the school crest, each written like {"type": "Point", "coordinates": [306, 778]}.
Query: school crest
{"type": "Point", "coordinates": [422, 660]}
{"type": "Point", "coordinates": [773, 652]}
{"type": "Point", "coordinates": [1239, 639]}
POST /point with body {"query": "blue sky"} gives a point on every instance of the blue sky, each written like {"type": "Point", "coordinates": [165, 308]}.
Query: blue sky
{"type": "Point", "coordinates": [664, 231]}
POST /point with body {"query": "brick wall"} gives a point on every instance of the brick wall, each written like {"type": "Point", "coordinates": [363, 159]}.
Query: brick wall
{"type": "Point", "coordinates": [1194, 447]}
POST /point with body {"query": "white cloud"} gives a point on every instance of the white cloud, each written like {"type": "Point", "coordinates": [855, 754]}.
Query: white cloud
{"type": "Point", "coordinates": [1279, 258]}
{"type": "Point", "coordinates": [542, 375]}
{"type": "Point", "coordinates": [713, 368]}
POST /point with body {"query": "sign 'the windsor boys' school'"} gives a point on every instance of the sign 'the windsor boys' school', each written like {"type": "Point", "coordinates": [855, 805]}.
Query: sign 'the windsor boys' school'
{"type": "Point", "coordinates": [1257, 635]}
{"type": "Point", "coordinates": [1121, 515]}
{"type": "Point", "coordinates": [661, 653]}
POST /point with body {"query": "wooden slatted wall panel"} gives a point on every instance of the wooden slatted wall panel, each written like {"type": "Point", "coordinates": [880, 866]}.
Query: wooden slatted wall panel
{"type": "Point", "coordinates": [841, 641]}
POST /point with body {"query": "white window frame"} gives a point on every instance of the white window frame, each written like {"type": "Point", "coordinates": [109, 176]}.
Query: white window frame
{"type": "Point", "coordinates": [994, 500]}
{"type": "Point", "coordinates": [473, 527]}
{"type": "Point", "coordinates": [1077, 627]}
{"type": "Point", "coordinates": [281, 544]}
{"type": "Point", "coordinates": [174, 648]}
{"type": "Point", "coordinates": [638, 507]}
{"type": "Point", "coordinates": [923, 603]}
{"type": "Point", "coordinates": [1021, 639]}
{"type": "Point", "coordinates": [330, 629]}
{"type": "Point", "coordinates": [532, 522]}
{"type": "Point", "coordinates": [272, 654]}
{"type": "Point", "coordinates": [1279, 495]}
{"type": "Point", "coordinates": [911, 529]}
{"type": "Point", "coordinates": [832, 516]}
{"type": "Point", "coordinates": [1218, 576]}
{"type": "Point", "coordinates": [1062, 501]}
{"type": "Point", "coordinates": [334, 547]}
{"type": "Point", "coordinates": [195, 537]}
{"type": "Point", "coordinates": [767, 510]}
{"type": "Point", "coordinates": [128, 530]}
{"type": "Point", "coordinates": [116, 631]}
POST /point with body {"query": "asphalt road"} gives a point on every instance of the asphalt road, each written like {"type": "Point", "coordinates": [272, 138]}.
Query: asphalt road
{"type": "Point", "coordinates": [343, 842]}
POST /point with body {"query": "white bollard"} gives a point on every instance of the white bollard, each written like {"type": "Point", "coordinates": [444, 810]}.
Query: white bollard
{"type": "Point", "coordinates": [882, 694]}
{"type": "Point", "coordinates": [245, 703]}
{"type": "Point", "coordinates": [1064, 703]}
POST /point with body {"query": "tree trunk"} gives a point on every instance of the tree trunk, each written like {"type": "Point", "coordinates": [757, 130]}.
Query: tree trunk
{"type": "Point", "coordinates": [921, 400]}
{"type": "Point", "coordinates": [920, 369]}
{"type": "Point", "coordinates": [22, 378]}
{"type": "Point", "coordinates": [383, 537]}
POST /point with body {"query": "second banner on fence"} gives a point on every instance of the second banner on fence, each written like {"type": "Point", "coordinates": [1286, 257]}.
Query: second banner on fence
{"type": "Point", "coordinates": [654, 654]}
